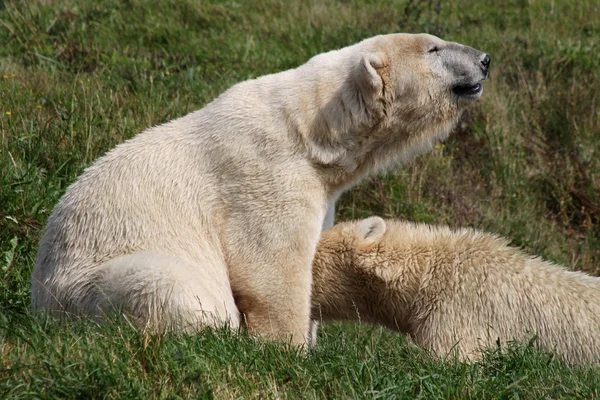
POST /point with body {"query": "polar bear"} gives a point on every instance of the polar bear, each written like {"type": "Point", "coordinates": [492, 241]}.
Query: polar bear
{"type": "Point", "coordinates": [454, 290]}
{"type": "Point", "coordinates": [220, 211]}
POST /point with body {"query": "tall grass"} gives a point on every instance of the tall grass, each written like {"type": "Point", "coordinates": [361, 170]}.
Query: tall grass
{"type": "Point", "coordinates": [78, 77]}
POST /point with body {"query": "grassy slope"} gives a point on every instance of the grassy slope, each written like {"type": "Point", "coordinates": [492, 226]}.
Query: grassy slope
{"type": "Point", "coordinates": [78, 77]}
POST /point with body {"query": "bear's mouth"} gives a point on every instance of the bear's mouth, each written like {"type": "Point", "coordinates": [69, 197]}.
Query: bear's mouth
{"type": "Point", "coordinates": [468, 90]}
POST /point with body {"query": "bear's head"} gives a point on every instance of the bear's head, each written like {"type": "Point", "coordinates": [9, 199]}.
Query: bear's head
{"type": "Point", "coordinates": [355, 235]}
{"type": "Point", "coordinates": [427, 69]}
{"type": "Point", "coordinates": [418, 85]}
{"type": "Point", "coordinates": [400, 94]}
{"type": "Point", "coordinates": [368, 270]}
{"type": "Point", "coordinates": [355, 276]}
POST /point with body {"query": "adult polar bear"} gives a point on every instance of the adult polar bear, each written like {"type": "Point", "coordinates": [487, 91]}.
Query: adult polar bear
{"type": "Point", "coordinates": [221, 210]}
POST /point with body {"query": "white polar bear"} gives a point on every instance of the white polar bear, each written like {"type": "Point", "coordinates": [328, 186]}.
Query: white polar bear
{"type": "Point", "coordinates": [220, 211]}
{"type": "Point", "coordinates": [454, 289]}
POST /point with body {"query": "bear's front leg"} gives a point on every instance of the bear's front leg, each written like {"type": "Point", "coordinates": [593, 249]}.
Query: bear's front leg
{"type": "Point", "coordinates": [278, 307]}
{"type": "Point", "coordinates": [271, 278]}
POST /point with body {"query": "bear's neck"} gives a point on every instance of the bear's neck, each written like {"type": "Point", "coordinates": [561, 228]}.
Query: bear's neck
{"type": "Point", "coordinates": [346, 286]}
{"type": "Point", "coordinates": [381, 148]}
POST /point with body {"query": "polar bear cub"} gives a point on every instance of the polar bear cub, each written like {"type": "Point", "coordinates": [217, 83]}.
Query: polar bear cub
{"type": "Point", "coordinates": [220, 211]}
{"type": "Point", "coordinates": [450, 289]}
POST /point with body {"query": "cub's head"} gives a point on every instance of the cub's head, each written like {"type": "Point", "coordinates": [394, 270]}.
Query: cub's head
{"type": "Point", "coordinates": [344, 284]}
{"type": "Point", "coordinates": [346, 243]}
{"type": "Point", "coordinates": [359, 274]}
{"type": "Point", "coordinates": [353, 235]}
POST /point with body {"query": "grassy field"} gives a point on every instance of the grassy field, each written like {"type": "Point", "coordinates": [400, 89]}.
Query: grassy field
{"type": "Point", "coordinates": [78, 77]}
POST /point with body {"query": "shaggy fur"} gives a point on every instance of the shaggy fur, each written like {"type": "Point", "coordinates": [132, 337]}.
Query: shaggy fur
{"type": "Point", "coordinates": [225, 206]}
{"type": "Point", "coordinates": [454, 290]}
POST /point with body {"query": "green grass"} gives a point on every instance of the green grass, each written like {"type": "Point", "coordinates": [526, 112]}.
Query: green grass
{"type": "Point", "coordinates": [78, 77]}
{"type": "Point", "coordinates": [84, 360]}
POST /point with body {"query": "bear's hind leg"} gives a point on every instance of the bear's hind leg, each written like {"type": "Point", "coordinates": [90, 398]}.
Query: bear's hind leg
{"type": "Point", "coordinates": [168, 292]}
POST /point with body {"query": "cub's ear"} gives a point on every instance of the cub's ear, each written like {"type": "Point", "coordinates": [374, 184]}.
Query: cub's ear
{"type": "Point", "coordinates": [368, 74]}
{"type": "Point", "coordinates": [371, 230]}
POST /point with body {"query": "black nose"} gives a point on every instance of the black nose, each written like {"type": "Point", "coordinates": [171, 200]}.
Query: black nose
{"type": "Point", "coordinates": [486, 61]}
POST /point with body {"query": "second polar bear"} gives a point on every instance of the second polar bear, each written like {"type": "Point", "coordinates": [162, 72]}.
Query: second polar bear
{"type": "Point", "coordinates": [454, 290]}
{"type": "Point", "coordinates": [224, 207]}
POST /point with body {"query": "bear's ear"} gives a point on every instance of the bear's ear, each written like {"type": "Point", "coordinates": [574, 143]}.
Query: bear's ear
{"type": "Point", "coordinates": [369, 77]}
{"type": "Point", "coordinates": [371, 230]}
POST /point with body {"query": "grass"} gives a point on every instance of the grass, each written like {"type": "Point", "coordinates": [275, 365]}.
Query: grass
{"type": "Point", "coordinates": [84, 360]}
{"type": "Point", "coordinates": [78, 77]}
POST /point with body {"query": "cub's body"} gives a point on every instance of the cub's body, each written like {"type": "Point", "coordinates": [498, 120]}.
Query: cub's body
{"type": "Point", "coordinates": [454, 290]}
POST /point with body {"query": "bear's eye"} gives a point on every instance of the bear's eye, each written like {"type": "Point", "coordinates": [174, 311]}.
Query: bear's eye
{"type": "Point", "coordinates": [433, 49]}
